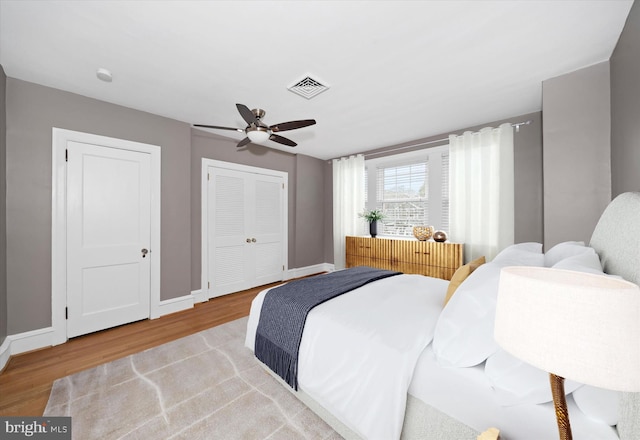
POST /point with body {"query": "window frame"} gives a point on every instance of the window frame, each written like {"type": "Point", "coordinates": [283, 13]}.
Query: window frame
{"type": "Point", "coordinates": [433, 157]}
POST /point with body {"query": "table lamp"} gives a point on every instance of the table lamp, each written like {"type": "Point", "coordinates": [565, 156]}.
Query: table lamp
{"type": "Point", "coordinates": [574, 325]}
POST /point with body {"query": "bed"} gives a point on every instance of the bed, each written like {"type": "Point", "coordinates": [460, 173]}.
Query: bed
{"type": "Point", "coordinates": [391, 360]}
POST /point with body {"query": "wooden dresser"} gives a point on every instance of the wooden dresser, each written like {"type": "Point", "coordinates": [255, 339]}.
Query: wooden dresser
{"type": "Point", "coordinates": [429, 258]}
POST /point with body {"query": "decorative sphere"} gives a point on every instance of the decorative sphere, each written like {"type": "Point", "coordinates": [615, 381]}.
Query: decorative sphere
{"type": "Point", "coordinates": [440, 236]}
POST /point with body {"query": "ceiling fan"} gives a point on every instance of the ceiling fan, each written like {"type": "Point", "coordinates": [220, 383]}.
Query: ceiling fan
{"type": "Point", "coordinates": [258, 132]}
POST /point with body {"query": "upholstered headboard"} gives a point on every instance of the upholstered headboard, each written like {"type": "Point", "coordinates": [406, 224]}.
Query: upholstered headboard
{"type": "Point", "coordinates": [616, 239]}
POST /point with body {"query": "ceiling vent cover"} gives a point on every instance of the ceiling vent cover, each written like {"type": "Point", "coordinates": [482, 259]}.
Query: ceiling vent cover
{"type": "Point", "coordinates": [308, 87]}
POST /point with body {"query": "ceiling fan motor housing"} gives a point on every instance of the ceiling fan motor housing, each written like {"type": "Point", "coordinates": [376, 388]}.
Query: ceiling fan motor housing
{"type": "Point", "coordinates": [258, 113]}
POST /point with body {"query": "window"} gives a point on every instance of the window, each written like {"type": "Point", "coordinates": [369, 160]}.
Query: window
{"type": "Point", "coordinates": [412, 189]}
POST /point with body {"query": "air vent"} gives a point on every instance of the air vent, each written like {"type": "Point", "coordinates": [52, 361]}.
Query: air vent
{"type": "Point", "coordinates": [308, 87]}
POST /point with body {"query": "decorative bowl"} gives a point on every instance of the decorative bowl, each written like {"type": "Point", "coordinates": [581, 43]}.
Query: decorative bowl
{"type": "Point", "coordinates": [440, 236]}
{"type": "Point", "coordinates": [423, 233]}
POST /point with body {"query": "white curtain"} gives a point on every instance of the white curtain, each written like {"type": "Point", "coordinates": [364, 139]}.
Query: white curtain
{"type": "Point", "coordinates": [482, 191]}
{"type": "Point", "coordinates": [348, 201]}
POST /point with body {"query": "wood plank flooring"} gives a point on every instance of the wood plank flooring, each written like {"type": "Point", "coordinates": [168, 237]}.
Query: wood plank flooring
{"type": "Point", "coordinates": [25, 383]}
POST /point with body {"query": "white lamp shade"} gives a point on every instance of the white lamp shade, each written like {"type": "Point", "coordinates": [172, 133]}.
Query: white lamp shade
{"type": "Point", "coordinates": [579, 326]}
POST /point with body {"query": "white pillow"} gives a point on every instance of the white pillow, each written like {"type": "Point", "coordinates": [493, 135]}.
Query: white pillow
{"type": "Point", "coordinates": [521, 254]}
{"type": "Point", "coordinates": [588, 261]}
{"type": "Point", "coordinates": [529, 246]}
{"type": "Point", "coordinates": [599, 404]}
{"type": "Point", "coordinates": [563, 250]}
{"type": "Point", "coordinates": [516, 382]}
{"type": "Point", "coordinates": [463, 335]}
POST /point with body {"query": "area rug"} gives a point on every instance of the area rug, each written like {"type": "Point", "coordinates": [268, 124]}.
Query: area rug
{"type": "Point", "coordinates": [204, 386]}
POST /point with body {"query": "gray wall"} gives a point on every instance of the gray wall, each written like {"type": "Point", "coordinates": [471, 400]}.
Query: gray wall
{"type": "Point", "coordinates": [3, 210]}
{"type": "Point", "coordinates": [328, 212]}
{"type": "Point", "coordinates": [577, 138]}
{"type": "Point", "coordinates": [527, 169]}
{"type": "Point", "coordinates": [625, 107]}
{"type": "Point", "coordinates": [32, 111]}
{"type": "Point", "coordinates": [310, 211]}
{"type": "Point", "coordinates": [306, 207]}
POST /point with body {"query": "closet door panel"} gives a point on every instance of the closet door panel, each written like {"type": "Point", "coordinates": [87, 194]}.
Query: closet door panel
{"type": "Point", "coordinates": [246, 232]}
{"type": "Point", "coordinates": [267, 226]}
{"type": "Point", "coordinates": [228, 250]}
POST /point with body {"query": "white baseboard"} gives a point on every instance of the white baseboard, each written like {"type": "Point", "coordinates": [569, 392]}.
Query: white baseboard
{"type": "Point", "coordinates": [309, 270]}
{"type": "Point", "coordinates": [33, 340]}
{"type": "Point", "coordinates": [174, 305]}
{"type": "Point", "coordinates": [23, 342]}
{"type": "Point", "coordinates": [5, 353]}
{"type": "Point", "coordinates": [199, 296]}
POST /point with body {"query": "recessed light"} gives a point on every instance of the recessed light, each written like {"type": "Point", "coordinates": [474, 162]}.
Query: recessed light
{"type": "Point", "coordinates": [104, 75]}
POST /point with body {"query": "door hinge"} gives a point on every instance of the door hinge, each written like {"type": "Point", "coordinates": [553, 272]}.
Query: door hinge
{"type": "Point", "coordinates": [283, 186]}
{"type": "Point", "coordinates": [66, 155]}
{"type": "Point", "coordinates": [208, 285]}
{"type": "Point", "coordinates": [283, 267]}
{"type": "Point", "coordinates": [66, 313]}
{"type": "Point", "coordinates": [208, 176]}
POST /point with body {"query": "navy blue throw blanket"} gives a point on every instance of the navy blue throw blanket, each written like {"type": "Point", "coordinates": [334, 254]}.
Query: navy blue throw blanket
{"type": "Point", "coordinates": [285, 309]}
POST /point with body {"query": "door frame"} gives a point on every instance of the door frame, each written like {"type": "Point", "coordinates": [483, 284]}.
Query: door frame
{"type": "Point", "coordinates": [204, 233]}
{"type": "Point", "coordinates": [60, 137]}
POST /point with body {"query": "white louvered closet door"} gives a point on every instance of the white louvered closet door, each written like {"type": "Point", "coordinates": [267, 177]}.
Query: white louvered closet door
{"type": "Point", "coordinates": [246, 230]}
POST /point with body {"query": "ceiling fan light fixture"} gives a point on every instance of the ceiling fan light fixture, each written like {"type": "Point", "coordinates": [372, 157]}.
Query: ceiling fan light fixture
{"type": "Point", "coordinates": [258, 134]}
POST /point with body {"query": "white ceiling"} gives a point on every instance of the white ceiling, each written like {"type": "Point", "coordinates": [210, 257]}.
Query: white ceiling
{"type": "Point", "coordinates": [397, 71]}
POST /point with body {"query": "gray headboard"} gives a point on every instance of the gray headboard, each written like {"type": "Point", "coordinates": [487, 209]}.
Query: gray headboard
{"type": "Point", "coordinates": [616, 239]}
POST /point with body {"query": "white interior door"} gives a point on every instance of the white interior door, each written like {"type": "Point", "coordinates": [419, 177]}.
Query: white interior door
{"type": "Point", "coordinates": [245, 232]}
{"type": "Point", "coordinates": [108, 237]}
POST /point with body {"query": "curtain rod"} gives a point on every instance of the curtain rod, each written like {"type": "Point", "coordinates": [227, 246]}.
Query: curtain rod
{"type": "Point", "coordinates": [516, 125]}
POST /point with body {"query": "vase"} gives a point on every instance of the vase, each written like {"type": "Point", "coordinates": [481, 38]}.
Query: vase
{"type": "Point", "coordinates": [373, 229]}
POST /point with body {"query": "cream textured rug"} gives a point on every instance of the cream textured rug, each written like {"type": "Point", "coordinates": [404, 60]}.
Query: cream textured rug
{"type": "Point", "coordinates": [203, 386]}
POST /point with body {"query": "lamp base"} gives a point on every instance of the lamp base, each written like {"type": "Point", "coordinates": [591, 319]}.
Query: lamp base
{"type": "Point", "coordinates": [560, 404]}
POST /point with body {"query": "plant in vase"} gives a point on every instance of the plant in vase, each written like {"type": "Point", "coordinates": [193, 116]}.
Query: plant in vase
{"type": "Point", "coordinates": [372, 216]}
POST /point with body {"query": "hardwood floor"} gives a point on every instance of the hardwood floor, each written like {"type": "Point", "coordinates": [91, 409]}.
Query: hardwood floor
{"type": "Point", "coordinates": [25, 383]}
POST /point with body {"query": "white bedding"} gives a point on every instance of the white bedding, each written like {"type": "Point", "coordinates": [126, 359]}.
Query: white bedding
{"type": "Point", "coordinates": [365, 388]}
{"type": "Point", "coordinates": [465, 394]}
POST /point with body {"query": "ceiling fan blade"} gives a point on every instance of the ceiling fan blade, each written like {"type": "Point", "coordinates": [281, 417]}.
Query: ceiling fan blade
{"type": "Point", "coordinates": [219, 128]}
{"type": "Point", "coordinates": [292, 125]}
{"type": "Point", "coordinates": [243, 142]}
{"type": "Point", "coordinates": [247, 114]}
{"type": "Point", "coordinates": [282, 140]}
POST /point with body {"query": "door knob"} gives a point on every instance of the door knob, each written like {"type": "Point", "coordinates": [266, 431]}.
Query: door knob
{"type": "Point", "coordinates": [248, 240]}
{"type": "Point", "coordinates": [253, 240]}
{"type": "Point", "coordinates": [144, 252]}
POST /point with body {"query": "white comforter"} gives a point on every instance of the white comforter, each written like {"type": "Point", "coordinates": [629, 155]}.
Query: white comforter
{"type": "Point", "coordinates": [359, 350]}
